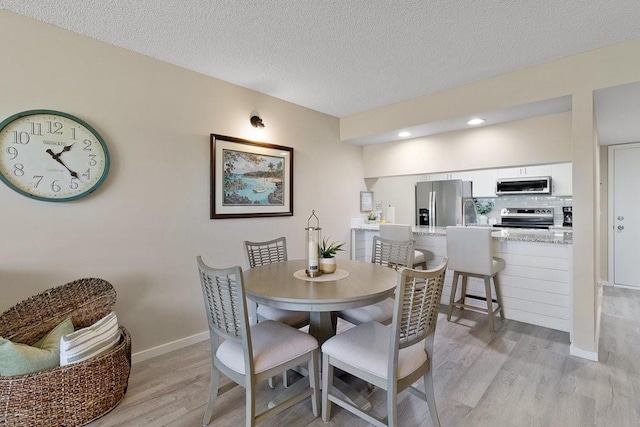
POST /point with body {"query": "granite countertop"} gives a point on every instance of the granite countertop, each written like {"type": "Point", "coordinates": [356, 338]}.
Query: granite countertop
{"type": "Point", "coordinates": [504, 234]}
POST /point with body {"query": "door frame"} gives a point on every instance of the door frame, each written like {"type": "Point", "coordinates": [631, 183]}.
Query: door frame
{"type": "Point", "coordinates": [610, 215]}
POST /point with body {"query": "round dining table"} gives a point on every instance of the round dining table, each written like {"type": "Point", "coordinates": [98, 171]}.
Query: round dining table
{"type": "Point", "coordinates": [354, 284]}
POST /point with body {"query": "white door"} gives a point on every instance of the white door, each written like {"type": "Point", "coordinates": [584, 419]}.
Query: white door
{"type": "Point", "coordinates": [626, 215]}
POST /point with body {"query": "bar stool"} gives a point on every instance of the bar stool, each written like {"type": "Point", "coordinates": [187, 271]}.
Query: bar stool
{"type": "Point", "coordinates": [470, 255]}
{"type": "Point", "coordinates": [402, 232]}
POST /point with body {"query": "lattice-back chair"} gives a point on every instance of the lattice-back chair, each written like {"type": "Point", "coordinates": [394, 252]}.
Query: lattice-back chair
{"type": "Point", "coordinates": [269, 252]}
{"type": "Point", "coordinates": [249, 355]}
{"type": "Point", "coordinates": [405, 232]}
{"type": "Point", "coordinates": [390, 253]}
{"type": "Point", "coordinates": [391, 358]}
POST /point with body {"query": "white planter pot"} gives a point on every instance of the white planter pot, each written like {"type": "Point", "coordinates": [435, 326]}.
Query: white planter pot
{"type": "Point", "coordinates": [327, 265]}
{"type": "Point", "coordinates": [482, 219]}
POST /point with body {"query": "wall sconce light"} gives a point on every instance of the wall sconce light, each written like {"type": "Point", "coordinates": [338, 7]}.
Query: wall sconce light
{"type": "Point", "coordinates": [256, 122]}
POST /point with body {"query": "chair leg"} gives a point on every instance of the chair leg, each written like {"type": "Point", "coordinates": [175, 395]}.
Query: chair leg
{"type": "Point", "coordinates": [463, 294]}
{"type": "Point", "coordinates": [250, 405]}
{"type": "Point", "coordinates": [314, 382]}
{"type": "Point", "coordinates": [392, 406]}
{"type": "Point", "coordinates": [213, 394]}
{"type": "Point", "coordinates": [496, 286]}
{"type": "Point", "coordinates": [272, 382]}
{"type": "Point", "coordinates": [327, 384]}
{"type": "Point", "coordinates": [285, 379]}
{"type": "Point", "coordinates": [487, 289]}
{"type": "Point", "coordinates": [431, 398]}
{"type": "Point", "coordinates": [452, 297]}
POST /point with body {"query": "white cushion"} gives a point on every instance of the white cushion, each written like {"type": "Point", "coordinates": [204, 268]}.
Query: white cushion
{"type": "Point", "coordinates": [469, 250]}
{"type": "Point", "coordinates": [366, 347]}
{"type": "Point", "coordinates": [380, 312]}
{"type": "Point", "coordinates": [273, 344]}
{"type": "Point", "coordinates": [92, 341]}
{"type": "Point", "coordinates": [287, 317]}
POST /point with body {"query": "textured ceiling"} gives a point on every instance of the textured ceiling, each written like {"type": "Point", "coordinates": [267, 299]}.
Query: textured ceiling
{"type": "Point", "coordinates": [344, 57]}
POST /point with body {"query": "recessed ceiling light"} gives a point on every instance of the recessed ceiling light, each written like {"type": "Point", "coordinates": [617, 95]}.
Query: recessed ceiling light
{"type": "Point", "coordinates": [476, 121]}
{"type": "Point", "coordinates": [404, 134]}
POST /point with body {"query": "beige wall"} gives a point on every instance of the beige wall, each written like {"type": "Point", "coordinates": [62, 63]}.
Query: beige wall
{"type": "Point", "coordinates": [538, 140]}
{"type": "Point", "coordinates": [144, 227]}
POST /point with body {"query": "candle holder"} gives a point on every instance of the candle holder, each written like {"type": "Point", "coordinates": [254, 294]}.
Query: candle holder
{"type": "Point", "coordinates": [312, 239]}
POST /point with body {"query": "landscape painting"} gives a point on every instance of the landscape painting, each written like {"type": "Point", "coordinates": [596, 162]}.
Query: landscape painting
{"type": "Point", "coordinates": [250, 179]}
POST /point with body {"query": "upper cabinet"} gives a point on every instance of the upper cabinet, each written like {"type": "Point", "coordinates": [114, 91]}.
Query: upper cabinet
{"type": "Point", "coordinates": [538, 170]}
{"type": "Point", "coordinates": [484, 182]}
{"type": "Point", "coordinates": [465, 176]}
{"type": "Point", "coordinates": [561, 179]}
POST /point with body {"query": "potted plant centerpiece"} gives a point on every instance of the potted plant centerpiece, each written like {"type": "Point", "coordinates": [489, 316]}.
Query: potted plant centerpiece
{"type": "Point", "coordinates": [327, 251]}
{"type": "Point", "coordinates": [483, 210]}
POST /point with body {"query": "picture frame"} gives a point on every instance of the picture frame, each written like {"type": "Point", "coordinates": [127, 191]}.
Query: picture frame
{"type": "Point", "coordinates": [366, 201]}
{"type": "Point", "coordinates": [250, 179]}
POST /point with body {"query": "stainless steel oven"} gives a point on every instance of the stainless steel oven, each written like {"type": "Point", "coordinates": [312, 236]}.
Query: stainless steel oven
{"type": "Point", "coordinates": [541, 218]}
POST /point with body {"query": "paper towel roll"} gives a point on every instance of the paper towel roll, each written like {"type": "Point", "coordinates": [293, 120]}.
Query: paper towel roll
{"type": "Point", "coordinates": [390, 214]}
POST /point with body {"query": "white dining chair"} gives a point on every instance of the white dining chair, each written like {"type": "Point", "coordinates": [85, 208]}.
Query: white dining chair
{"type": "Point", "coordinates": [391, 358]}
{"type": "Point", "coordinates": [247, 354]}
{"type": "Point", "coordinates": [401, 232]}
{"type": "Point", "coordinates": [470, 254]}
{"type": "Point", "coordinates": [389, 253]}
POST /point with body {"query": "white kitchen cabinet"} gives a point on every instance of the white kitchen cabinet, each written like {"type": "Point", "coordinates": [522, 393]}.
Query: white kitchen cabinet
{"type": "Point", "coordinates": [465, 176]}
{"type": "Point", "coordinates": [362, 244]}
{"type": "Point", "coordinates": [525, 171]}
{"type": "Point", "coordinates": [484, 183]}
{"type": "Point", "coordinates": [562, 179]}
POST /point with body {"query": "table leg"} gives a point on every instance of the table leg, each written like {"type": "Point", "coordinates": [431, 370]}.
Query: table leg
{"type": "Point", "coordinates": [322, 325]}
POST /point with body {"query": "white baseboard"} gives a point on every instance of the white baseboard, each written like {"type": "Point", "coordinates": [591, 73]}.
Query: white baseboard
{"type": "Point", "coordinates": [170, 346]}
{"type": "Point", "coordinates": [589, 355]}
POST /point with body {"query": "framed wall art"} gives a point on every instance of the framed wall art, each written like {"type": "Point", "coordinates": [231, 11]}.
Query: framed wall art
{"type": "Point", "coordinates": [250, 179]}
{"type": "Point", "coordinates": [366, 201]}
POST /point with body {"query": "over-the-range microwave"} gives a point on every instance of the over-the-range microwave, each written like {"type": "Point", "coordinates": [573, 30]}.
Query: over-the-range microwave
{"type": "Point", "coordinates": [528, 185]}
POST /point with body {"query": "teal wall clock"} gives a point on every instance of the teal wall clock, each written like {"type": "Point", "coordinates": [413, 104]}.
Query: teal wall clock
{"type": "Point", "coordinates": [52, 156]}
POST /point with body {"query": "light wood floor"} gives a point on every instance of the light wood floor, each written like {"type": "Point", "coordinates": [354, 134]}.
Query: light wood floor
{"type": "Point", "coordinates": [522, 375]}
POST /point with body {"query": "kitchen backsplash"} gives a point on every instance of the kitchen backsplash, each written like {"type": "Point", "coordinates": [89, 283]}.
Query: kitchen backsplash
{"type": "Point", "coordinates": [528, 202]}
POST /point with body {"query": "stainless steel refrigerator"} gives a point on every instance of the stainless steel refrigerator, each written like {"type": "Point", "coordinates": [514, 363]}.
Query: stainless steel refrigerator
{"type": "Point", "coordinates": [440, 203]}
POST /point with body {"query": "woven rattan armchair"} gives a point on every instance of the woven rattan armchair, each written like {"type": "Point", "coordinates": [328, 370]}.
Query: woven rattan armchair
{"type": "Point", "coordinates": [71, 395]}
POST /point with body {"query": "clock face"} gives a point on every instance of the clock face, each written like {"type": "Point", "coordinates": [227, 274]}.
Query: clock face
{"type": "Point", "coordinates": [53, 156]}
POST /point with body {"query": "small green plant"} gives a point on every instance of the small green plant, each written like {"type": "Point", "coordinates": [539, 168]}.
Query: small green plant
{"type": "Point", "coordinates": [484, 209]}
{"type": "Point", "coordinates": [372, 216]}
{"type": "Point", "coordinates": [329, 249]}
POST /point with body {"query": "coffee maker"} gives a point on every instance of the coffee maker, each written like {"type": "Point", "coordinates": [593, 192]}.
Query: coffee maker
{"type": "Point", "coordinates": [567, 216]}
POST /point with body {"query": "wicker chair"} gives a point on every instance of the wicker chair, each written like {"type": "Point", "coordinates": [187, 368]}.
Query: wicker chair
{"type": "Point", "coordinates": [71, 395]}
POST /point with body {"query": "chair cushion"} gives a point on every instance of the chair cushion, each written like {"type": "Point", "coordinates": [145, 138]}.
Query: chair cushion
{"type": "Point", "coordinates": [92, 341]}
{"type": "Point", "coordinates": [273, 344]}
{"type": "Point", "coordinates": [380, 312]}
{"type": "Point", "coordinates": [366, 347]}
{"type": "Point", "coordinates": [287, 317]}
{"type": "Point", "coordinates": [22, 359]}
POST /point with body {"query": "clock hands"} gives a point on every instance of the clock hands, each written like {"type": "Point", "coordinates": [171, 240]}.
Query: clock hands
{"type": "Point", "coordinates": [56, 157]}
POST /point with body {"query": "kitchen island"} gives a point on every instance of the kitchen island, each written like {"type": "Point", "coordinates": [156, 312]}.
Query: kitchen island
{"type": "Point", "coordinates": [536, 283]}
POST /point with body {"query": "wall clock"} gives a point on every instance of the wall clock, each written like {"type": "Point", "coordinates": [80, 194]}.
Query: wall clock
{"type": "Point", "coordinates": [52, 156]}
